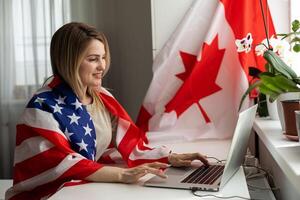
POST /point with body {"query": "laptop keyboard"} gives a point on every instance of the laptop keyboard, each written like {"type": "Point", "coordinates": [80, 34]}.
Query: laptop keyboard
{"type": "Point", "coordinates": [205, 174]}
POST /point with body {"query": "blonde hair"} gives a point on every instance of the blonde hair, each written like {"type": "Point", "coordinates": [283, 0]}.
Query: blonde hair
{"type": "Point", "coordinates": [68, 46]}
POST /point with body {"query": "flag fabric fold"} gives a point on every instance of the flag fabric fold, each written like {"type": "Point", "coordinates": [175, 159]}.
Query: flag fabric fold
{"type": "Point", "coordinates": [55, 143]}
{"type": "Point", "coordinates": [202, 71]}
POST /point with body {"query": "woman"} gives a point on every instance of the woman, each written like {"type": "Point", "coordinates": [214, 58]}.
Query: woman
{"type": "Point", "coordinates": [73, 126]}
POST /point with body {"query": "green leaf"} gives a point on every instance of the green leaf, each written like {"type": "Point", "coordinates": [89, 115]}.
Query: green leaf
{"type": "Point", "coordinates": [270, 82]}
{"type": "Point", "coordinates": [295, 25]}
{"type": "Point", "coordinates": [295, 39]}
{"type": "Point", "coordinates": [275, 85]}
{"type": "Point", "coordinates": [250, 88]}
{"type": "Point", "coordinates": [286, 84]}
{"type": "Point", "coordinates": [296, 48]}
{"type": "Point", "coordinates": [279, 83]}
{"type": "Point", "coordinates": [276, 62]}
{"type": "Point", "coordinates": [268, 91]}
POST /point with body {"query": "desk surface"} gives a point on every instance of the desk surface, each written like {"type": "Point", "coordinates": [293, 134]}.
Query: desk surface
{"type": "Point", "coordinates": [218, 148]}
{"type": "Point", "coordinates": [4, 185]}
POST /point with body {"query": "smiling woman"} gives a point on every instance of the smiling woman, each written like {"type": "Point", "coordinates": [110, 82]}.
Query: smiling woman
{"type": "Point", "coordinates": [73, 126]}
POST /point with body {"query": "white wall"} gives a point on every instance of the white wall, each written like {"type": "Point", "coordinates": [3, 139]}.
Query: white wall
{"type": "Point", "coordinates": [166, 16]}
{"type": "Point", "coordinates": [127, 24]}
{"type": "Point", "coordinates": [295, 5]}
{"type": "Point", "coordinates": [131, 48]}
{"type": "Point", "coordinates": [280, 11]}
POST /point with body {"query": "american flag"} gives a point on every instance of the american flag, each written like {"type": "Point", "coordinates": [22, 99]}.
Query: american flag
{"type": "Point", "coordinates": [56, 142]}
{"type": "Point", "coordinates": [71, 116]}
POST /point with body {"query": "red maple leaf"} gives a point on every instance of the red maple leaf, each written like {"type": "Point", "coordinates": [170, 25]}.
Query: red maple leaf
{"type": "Point", "coordinates": [198, 79]}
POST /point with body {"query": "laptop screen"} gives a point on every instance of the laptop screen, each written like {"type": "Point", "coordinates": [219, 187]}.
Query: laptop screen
{"type": "Point", "coordinates": [239, 143]}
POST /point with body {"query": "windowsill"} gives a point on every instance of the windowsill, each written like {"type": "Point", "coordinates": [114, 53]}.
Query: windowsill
{"type": "Point", "coordinates": [286, 153]}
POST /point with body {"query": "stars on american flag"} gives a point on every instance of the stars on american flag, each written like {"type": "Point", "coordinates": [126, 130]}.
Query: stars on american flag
{"type": "Point", "coordinates": [68, 134]}
{"type": "Point", "coordinates": [72, 117]}
{"type": "Point", "coordinates": [57, 108]}
{"type": "Point", "coordinates": [60, 100]}
{"type": "Point", "coordinates": [39, 100]}
{"type": "Point", "coordinates": [82, 145]}
{"type": "Point", "coordinates": [87, 130]}
{"type": "Point", "coordinates": [77, 104]}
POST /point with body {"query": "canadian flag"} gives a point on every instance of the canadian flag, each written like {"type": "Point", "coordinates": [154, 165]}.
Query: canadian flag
{"type": "Point", "coordinates": [202, 71]}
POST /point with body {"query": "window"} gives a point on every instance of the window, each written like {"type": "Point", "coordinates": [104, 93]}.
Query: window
{"type": "Point", "coordinates": [34, 22]}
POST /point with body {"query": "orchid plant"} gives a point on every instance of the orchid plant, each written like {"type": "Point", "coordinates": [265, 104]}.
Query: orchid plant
{"type": "Point", "coordinates": [279, 76]}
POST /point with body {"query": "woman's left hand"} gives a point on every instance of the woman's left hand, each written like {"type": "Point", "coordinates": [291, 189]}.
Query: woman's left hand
{"type": "Point", "coordinates": [185, 159]}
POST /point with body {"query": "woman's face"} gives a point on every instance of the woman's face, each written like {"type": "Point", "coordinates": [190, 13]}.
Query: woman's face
{"type": "Point", "coordinates": [92, 67]}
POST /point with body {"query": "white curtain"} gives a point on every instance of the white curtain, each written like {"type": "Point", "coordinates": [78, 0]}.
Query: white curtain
{"type": "Point", "coordinates": [26, 29]}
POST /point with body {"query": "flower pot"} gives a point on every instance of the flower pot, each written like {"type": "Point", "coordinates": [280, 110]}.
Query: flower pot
{"type": "Point", "coordinates": [283, 97]}
{"type": "Point", "coordinates": [289, 108]}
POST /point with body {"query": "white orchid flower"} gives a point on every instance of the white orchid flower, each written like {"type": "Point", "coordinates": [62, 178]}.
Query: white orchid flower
{"type": "Point", "coordinates": [292, 59]}
{"type": "Point", "coordinates": [261, 48]}
{"type": "Point", "coordinates": [281, 47]}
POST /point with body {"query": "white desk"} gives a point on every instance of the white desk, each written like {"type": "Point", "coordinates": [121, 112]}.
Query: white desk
{"type": "Point", "coordinates": [279, 155]}
{"type": "Point", "coordinates": [112, 191]}
{"type": "Point", "coordinates": [4, 185]}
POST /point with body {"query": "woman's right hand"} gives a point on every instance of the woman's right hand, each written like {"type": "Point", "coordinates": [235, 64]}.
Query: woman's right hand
{"type": "Point", "coordinates": [132, 175]}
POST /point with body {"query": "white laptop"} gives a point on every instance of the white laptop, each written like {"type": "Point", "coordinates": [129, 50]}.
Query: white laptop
{"type": "Point", "coordinates": [215, 176]}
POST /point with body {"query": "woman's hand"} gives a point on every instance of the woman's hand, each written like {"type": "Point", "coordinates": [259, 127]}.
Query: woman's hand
{"type": "Point", "coordinates": [132, 175]}
{"type": "Point", "coordinates": [185, 159]}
